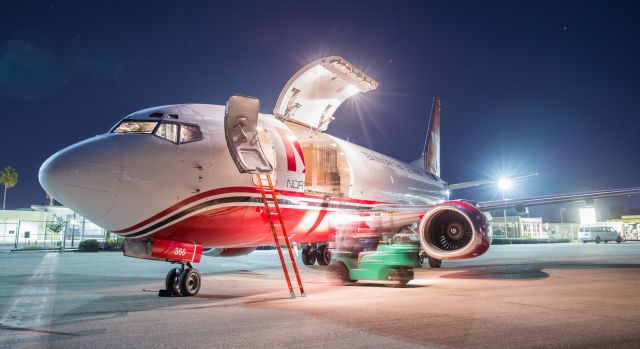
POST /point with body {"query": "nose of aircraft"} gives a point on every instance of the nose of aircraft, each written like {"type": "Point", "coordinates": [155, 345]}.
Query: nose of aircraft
{"type": "Point", "coordinates": [85, 176]}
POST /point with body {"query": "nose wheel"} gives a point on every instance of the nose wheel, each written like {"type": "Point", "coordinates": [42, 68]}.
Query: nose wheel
{"type": "Point", "coordinates": [184, 281]}
{"type": "Point", "coordinates": [171, 284]}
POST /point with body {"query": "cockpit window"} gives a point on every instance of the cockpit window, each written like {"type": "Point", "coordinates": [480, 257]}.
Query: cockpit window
{"type": "Point", "coordinates": [174, 132]}
{"type": "Point", "coordinates": [168, 131]}
{"type": "Point", "coordinates": [131, 126]}
{"type": "Point", "coordinates": [190, 133]}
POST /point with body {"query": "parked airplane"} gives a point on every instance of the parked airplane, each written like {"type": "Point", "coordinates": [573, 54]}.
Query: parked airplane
{"type": "Point", "coordinates": [179, 178]}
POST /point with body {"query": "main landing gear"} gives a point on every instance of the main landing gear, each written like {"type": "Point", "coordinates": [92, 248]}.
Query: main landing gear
{"type": "Point", "coordinates": [433, 262]}
{"type": "Point", "coordinates": [313, 253]}
{"type": "Point", "coordinates": [182, 281]}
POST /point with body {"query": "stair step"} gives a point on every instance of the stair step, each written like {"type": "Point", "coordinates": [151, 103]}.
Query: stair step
{"type": "Point", "coordinates": [269, 198]}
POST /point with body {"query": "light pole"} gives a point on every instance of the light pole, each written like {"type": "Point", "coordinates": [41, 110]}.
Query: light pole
{"type": "Point", "coordinates": [562, 215]}
{"type": "Point", "coordinates": [504, 184]}
{"type": "Point", "coordinates": [504, 213]}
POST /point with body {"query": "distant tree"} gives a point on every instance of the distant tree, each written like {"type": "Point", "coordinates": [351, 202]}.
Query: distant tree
{"type": "Point", "coordinates": [9, 178]}
{"type": "Point", "coordinates": [56, 224]}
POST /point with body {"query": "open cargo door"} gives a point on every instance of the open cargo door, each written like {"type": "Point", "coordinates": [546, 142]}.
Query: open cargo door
{"type": "Point", "coordinates": [241, 132]}
{"type": "Point", "coordinates": [314, 93]}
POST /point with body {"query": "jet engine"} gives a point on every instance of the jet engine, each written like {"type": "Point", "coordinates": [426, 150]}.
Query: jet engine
{"type": "Point", "coordinates": [228, 252]}
{"type": "Point", "coordinates": [455, 230]}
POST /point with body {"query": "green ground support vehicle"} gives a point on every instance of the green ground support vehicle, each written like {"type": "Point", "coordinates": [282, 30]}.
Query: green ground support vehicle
{"type": "Point", "coordinates": [393, 262]}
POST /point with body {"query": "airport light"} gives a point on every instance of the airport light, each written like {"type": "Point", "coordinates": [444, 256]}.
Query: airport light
{"type": "Point", "coordinates": [504, 184]}
{"type": "Point", "coordinates": [588, 215]}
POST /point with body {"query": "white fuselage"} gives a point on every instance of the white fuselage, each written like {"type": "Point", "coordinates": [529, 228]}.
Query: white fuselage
{"type": "Point", "coordinates": [144, 185]}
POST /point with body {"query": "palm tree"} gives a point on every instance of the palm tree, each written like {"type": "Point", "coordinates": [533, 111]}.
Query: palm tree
{"type": "Point", "coordinates": [9, 178]}
{"type": "Point", "coordinates": [50, 199]}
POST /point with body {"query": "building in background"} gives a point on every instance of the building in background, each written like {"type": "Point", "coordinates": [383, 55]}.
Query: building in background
{"type": "Point", "coordinates": [518, 227]}
{"type": "Point", "coordinates": [44, 226]}
{"type": "Point", "coordinates": [628, 226]}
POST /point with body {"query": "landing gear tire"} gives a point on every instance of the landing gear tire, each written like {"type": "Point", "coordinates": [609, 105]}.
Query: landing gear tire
{"type": "Point", "coordinates": [618, 239]}
{"type": "Point", "coordinates": [338, 273]}
{"type": "Point", "coordinates": [324, 255]}
{"type": "Point", "coordinates": [189, 282]}
{"type": "Point", "coordinates": [308, 255]}
{"type": "Point", "coordinates": [434, 262]}
{"type": "Point", "coordinates": [171, 282]}
{"type": "Point", "coordinates": [597, 239]}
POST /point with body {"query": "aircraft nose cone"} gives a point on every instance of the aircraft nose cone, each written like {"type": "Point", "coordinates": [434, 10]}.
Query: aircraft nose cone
{"type": "Point", "coordinates": [85, 176]}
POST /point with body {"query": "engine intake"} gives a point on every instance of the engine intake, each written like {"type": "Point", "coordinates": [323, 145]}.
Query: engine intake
{"type": "Point", "coordinates": [455, 230]}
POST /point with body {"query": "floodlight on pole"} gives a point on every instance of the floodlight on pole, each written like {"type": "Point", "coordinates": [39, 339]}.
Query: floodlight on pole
{"type": "Point", "coordinates": [504, 184]}
{"type": "Point", "coordinates": [588, 215]}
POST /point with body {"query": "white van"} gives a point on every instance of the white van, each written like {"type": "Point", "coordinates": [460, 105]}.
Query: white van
{"type": "Point", "coordinates": [598, 233]}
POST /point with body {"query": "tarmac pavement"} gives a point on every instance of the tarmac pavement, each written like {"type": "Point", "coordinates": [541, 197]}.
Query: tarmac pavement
{"type": "Point", "coordinates": [519, 296]}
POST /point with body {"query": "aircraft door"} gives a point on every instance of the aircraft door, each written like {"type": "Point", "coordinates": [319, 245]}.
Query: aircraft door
{"type": "Point", "coordinates": [241, 133]}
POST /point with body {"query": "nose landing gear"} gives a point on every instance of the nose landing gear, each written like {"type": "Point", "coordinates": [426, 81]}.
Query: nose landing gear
{"type": "Point", "coordinates": [183, 281]}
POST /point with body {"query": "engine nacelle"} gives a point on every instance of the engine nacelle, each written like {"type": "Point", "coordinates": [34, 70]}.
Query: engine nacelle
{"type": "Point", "coordinates": [229, 252]}
{"type": "Point", "coordinates": [455, 230]}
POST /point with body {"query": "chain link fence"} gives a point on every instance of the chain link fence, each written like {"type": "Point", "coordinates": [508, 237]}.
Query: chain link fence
{"type": "Point", "coordinates": [562, 230]}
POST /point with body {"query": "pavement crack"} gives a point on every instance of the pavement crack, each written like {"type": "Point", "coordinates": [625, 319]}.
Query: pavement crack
{"type": "Point", "coordinates": [35, 330]}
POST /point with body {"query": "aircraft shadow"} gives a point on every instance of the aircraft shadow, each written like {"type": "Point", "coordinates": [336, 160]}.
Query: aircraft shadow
{"type": "Point", "coordinates": [375, 284]}
{"type": "Point", "coordinates": [525, 271]}
{"type": "Point", "coordinates": [506, 272]}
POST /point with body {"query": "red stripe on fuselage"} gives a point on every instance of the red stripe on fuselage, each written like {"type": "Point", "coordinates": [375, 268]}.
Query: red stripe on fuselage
{"type": "Point", "coordinates": [227, 190]}
{"type": "Point", "coordinates": [291, 158]}
{"type": "Point", "coordinates": [243, 226]}
{"type": "Point", "coordinates": [296, 144]}
{"type": "Point", "coordinates": [248, 226]}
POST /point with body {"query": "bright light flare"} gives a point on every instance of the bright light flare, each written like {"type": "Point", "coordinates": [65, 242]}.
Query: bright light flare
{"type": "Point", "coordinates": [588, 215]}
{"type": "Point", "coordinates": [504, 184]}
{"type": "Point", "coordinates": [319, 70]}
{"type": "Point", "coordinates": [351, 90]}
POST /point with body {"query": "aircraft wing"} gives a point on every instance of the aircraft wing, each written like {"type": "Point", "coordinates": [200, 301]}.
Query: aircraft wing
{"type": "Point", "coordinates": [555, 199]}
{"type": "Point", "coordinates": [463, 185]}
{"type": "Point", "coordinates": [399, 215]}
{"type": "Point", "coordinates": [456, 186]}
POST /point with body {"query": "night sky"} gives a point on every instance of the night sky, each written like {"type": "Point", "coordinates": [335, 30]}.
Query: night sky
{"type": "Point", "coordinates": [543, 87]}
